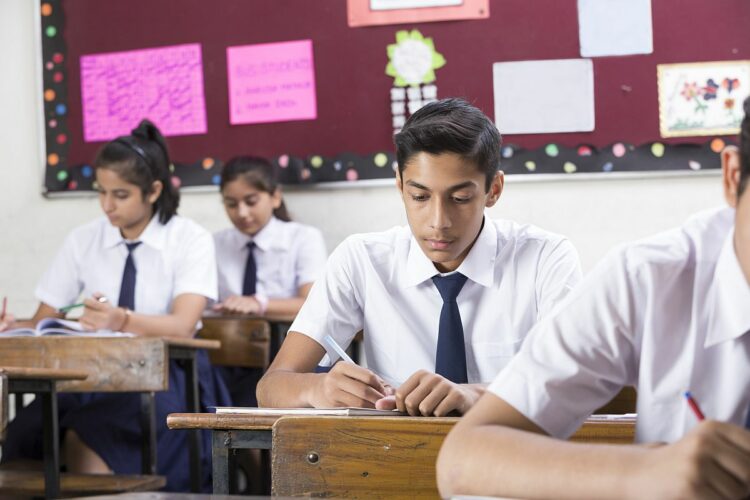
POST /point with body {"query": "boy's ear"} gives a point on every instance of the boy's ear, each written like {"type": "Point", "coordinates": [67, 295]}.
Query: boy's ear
{"type": "Point", "coordinates": [156, 188]}
{"type": "Point", "coordinates": [730, 174]}
{"type": "Point", "coordinates": [496, 189]}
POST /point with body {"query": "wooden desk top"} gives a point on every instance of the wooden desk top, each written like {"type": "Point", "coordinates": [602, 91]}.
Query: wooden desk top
{"type": "Point", "coordinates": [192, 343]}
{"type": "Point", "coordinates": [27, 373]}
{"type": "Point", "coordinates": [220, 422]}
{"type": "Point", "coordinates": [271, 318]}
{"type": "Point", "coordinates": [593, 430]}
{"type": "Point", "coordinates": [113, 364]}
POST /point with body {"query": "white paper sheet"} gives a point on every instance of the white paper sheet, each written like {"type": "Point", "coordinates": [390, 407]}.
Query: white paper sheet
{"type": "Point", "coordinates": [615, 27]}
{"type": "Point", "coordinates": [410, 4]}
{"type": "Point", "coordinates": [547, 96]}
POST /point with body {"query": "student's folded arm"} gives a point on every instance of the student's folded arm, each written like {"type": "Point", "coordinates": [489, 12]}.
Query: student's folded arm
{"type": "Point", "coordinates": [187, 309]}
{"type": "Point", "coordinates": [495, 450]}
{"type": "Point", "coordinates": [289, 381]}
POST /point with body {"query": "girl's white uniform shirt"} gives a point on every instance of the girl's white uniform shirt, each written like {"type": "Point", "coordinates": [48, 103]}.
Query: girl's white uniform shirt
{"type": "Point", "coordinates": [667, 314]}
{"type": "Point", "coordinates": [287, 256]}
{"type": "Point", "coordinates": [172, 259]}
{"type": "Point", "coordinates": [382, 283]}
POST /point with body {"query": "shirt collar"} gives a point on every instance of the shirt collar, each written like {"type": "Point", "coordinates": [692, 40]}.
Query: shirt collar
{"type": "Point", "coordinates": [729, 298]}
{"type": "Point", "coordinates": [269, 237]}
{"type": "Point", "coordinates": [154, 235]}
{"type": "Point", "coordinates": [478, 265]}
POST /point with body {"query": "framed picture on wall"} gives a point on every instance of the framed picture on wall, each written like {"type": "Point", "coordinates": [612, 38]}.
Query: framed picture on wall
{"type": "Point", "coordinates": [702, 98]}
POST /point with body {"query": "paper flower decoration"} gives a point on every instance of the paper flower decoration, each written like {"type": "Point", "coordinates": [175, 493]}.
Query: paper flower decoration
{"type": "Point", "coordinates": [413, 59]}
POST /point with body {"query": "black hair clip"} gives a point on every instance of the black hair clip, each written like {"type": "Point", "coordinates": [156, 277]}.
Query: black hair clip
{"type": "Point", "coordinates": [139, 151]}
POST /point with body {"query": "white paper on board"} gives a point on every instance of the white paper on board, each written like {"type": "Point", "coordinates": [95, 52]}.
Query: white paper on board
{"type": "Point", "coordinates": [547, 96]}
{"type": "Point", "coordinates": [411, 4]}
{"type": "Point", "coordinates": [615, 27]}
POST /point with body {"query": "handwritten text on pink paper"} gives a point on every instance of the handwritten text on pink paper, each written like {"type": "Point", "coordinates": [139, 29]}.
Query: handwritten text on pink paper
{"type": "Point", "coordinates": [164, 84]}
{"type": "Point", "coordinates": [271, 82]}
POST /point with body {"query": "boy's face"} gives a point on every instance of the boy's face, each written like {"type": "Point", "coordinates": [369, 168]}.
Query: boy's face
{"type": "Point", "coordinates": [444, 196]}
{"type": "Point", "coordinates": [742, 233]}
{"type": "Point", "coordinates": [731, 168]}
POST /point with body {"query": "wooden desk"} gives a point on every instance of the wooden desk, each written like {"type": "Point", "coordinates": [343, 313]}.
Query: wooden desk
{"type": "Point", "coordinates": [120, 364]}
{"type": "Point", "coordinates": [43, 382]}
{"type": "Point", "coordinates": [264, 432]}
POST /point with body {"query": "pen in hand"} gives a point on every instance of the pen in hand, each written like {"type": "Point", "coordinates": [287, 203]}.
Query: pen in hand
{"type": "Point", "coordinates": [337, 348]}
{"type": "Point", "coordinates": [66, 309]}
{"type": "Point", "coordinates": [694, 406]}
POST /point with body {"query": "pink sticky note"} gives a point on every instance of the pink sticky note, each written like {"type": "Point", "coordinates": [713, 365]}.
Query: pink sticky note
{"type": "Point", "coordinates": [271, 82]}
{"type": "Point", "coordinates": [165, 85]}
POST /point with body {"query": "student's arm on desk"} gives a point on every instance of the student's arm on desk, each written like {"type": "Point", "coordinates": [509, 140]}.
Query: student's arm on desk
{"type": "Point", "coordinates": [43, 311]}
{"type": "Point", "coordinates": [187, 309]}
{"type": "Point", "coordinates": [495, 450]}
{"type": "Point", "coordinates": [429, 394]}
{"type": "Point", "coordinates": [289, 381]}
{"type": "Point", "coordinates": [240, 304]}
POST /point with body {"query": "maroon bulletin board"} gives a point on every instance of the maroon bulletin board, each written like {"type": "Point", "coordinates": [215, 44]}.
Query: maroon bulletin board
{"type": "Point", "coordinates": [353, 91]}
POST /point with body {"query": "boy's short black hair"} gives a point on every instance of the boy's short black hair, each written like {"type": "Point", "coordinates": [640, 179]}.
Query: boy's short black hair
{"type": "Point", "coordinates": [451, 125]}
{"type": "Point", "coordinates": [745, 149]}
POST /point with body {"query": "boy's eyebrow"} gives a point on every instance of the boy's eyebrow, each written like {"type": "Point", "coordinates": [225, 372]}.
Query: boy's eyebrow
{"type": "Point", "coordinates": [452, 188]}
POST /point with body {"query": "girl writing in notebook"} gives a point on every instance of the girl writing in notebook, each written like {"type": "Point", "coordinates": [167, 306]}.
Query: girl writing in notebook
{"type": "Point", "coordinates": [143, 269]}
{"type": "Point", "coordinates": [266, 262]}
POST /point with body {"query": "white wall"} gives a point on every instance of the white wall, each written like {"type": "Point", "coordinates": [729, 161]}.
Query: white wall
{"type": "Point", "coordinates": [595, 214]}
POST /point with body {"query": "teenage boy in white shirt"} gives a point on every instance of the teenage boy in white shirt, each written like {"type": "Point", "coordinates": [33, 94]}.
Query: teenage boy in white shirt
{"type": "Point", "coordinates": [445, 302]}
{"type": "Point", "coordinates": [667, 314]}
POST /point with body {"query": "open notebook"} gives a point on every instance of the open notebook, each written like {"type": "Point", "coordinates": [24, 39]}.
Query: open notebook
{"type": "Point", "coordinates": [342, 412]}
{"type": "Point", "coordinates": [55, 326]}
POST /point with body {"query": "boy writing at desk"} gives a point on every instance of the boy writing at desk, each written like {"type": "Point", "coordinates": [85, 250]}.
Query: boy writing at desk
{"type": "Point", "coordinates": [445, 302]}
{"type": "Point", "coordinates": [667, 314]}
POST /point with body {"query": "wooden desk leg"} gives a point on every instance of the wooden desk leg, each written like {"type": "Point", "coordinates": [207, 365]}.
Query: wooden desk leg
{"type": "Point", "coordinates": [220, 457]}
{"type": "Point", "coordinates": [51, 443]}
{"type": "Point", "coordinates": [194, 436]}
{"type": "Point", "coordinates": [148, 433]}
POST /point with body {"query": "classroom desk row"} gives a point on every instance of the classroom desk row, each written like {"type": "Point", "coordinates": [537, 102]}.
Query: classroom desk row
{"type": "Point", "coordinates": [350, 457]}
{"type": "Point", "coordinates": [46, 365]}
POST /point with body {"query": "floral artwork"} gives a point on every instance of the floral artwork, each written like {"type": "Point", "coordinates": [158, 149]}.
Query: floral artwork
{"type": "Point", "coordinates": [702, 98]}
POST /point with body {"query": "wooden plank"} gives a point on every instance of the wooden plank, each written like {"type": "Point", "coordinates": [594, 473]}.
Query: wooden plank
{"type": "Point", "coordinates": [623, 402]}
{"type": "Point", "coordinates": [192, 343]}
{"type": "Point", "coordinates": [130, 364]}
{"type": "Point", "coordinates": [3, 406]}
{"type": "Point", "coordinates": [376, 457]}
{"type": "Point", "coordinates": [220, 422]}
{"type": "Point", "coordinates": [357, 457]}
{"type": "Point", "coordinates": [606, 431]}
{"type": "Point", "coordinates": [31, 483]}
{"type": "Point", "coordinates": [244, 341]}
{"type": "Point", "coordinates": [26, 373]}
{"type": "Point", "coordinates": [156, 495]}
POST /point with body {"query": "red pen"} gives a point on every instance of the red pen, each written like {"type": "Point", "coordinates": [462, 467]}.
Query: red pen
{"type": "Point", "coordinates": [694, 406]}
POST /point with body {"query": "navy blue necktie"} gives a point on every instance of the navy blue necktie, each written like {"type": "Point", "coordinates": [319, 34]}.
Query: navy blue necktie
{"type": "Point", "coordinates": [127, 288]}
{"type": "Point", "coordinates": [450, 360]}
{"type": "Point", "coordinates": [251, 272]}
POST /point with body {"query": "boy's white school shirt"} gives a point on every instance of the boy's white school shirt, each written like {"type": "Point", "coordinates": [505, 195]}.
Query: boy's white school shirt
{"type": "Point", "coordinates": [172, 259]}
{"type": "Point", "coordinates": [382, 283]}
{"type": "Point", "coordinates": [287, 256]}
{"type": "Point", "coordinates": [667, 314]}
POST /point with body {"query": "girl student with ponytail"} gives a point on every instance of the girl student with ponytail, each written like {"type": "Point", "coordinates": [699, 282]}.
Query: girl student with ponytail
{"type": "Point", "coordinates": [142, 269]}
{"type": "Point", "coordinates": [266, 262]}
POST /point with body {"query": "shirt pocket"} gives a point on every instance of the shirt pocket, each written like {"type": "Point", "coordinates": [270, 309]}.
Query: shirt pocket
{"type": "Point", "coordinates": [490, 358]}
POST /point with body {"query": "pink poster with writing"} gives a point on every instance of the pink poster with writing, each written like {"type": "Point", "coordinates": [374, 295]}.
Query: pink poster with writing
{"type": "Point", "coordinates": [163, 84]}
{"type": "Point", "coordinates": [271, 82]}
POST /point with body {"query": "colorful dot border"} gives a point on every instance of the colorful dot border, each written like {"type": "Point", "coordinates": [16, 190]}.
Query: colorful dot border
{"type": "Point", "coordinates": [550, 158]}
